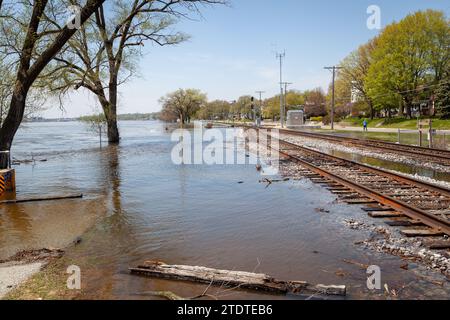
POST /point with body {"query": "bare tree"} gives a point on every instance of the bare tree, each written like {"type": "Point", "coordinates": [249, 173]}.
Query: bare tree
{"type": "Point", "coordinates": [96, 124]}
{"type": "Point", "coordinates": [31, 66]}
{"type": "Point", "coordinates": [109, 45]}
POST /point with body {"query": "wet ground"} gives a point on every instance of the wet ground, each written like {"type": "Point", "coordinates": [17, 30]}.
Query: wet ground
{"type": "Point", "coordinates": [139, 206]}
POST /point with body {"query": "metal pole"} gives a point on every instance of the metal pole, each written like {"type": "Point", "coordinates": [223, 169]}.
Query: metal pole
{"type": "Point", "coordinates": [260, 106]}
{"type": "Point", "coordinates": [332, 100]}
{"type": "Point", "coordinates": [285, 97]}
{"type": "Point", "coordinates": [333, 68]}
{"type": "Point", "coordinates": [281, 57]}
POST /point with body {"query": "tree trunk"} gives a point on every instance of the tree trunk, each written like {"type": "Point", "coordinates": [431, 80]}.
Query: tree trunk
{"type": "Point", "coordinates": [11, 124]}
{"type": "Point", "coordinates": [111, 115]}
{"type": "Point", "coordinates": [408, 108]}
{"type": "Point", "coordinates": [113, 130]}
{"type": "Point", "coordinates": [401, 108]}
{"type": "Point", "coordinates": [372, 110]}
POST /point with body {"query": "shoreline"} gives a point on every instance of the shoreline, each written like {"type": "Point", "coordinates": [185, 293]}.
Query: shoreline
{"type": "Point", "coordinates": [21, 267]}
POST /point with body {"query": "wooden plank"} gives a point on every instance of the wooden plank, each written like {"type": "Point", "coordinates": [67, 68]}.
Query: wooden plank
{"type": "Point", "coordinates": [343, 192]}
{"type": "Point", "coordinates": [48, 198]}
{"type": "Point", "coordinates": [421, 233]}
{"type": "Point", "coordinates": [384, 214]}
{"type": "Point", "coordinates": [439, 245]}
{"type": "Point", "coordinates": [375, 209]}
{"type": "Point", "coordinates": [399, 223]}
{"type": "Point", "coordinates": [360, 201]}
{"type": "Point", "coordinates": [233, 279]}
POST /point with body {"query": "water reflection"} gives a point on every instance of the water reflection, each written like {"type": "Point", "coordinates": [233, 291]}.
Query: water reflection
{"type": "Point", "coordinates": [391, 165]}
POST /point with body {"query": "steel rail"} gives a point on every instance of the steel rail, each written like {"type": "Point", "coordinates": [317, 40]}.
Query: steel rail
{"type": "Point", "coordinates": [438, 154]}
{"type": "Point", "coordinates": [431, 220]}
{"type": "Point", "coordinates": [396, 148]}
{"type": "Point", "coordinates": [392, 175]}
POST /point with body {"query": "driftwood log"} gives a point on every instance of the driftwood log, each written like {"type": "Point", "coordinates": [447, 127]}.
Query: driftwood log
{"type": "Point", "coordinates": [234, 279]}
{"type": "Point", "coordinates": [47, 198]}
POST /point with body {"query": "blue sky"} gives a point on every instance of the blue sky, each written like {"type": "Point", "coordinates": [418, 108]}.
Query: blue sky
{"type": "Point", "coordinates": [232, 50]}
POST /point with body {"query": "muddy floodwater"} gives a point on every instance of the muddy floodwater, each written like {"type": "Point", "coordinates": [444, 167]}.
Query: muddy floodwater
{"type": "Point", "coordinates": [140, 206]}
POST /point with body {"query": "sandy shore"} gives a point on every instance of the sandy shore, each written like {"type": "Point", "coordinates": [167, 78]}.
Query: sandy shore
{"type": "Point", "coordinates": [12, 274]}
{"type": "Point", "coordinates": [22, 266]}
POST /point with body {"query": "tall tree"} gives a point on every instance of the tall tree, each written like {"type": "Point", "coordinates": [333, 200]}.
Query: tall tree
{"type": "Point", "coordinates": [442, 99]}
{"type": "Point", "coordinates": [183, 103]}
{"type": "Point", "coordinates": [31, 64]}
{"type": "Point", "coordinates": [404, 61]}
{"type": "Point", "coordinates": [315, 101]}
{"type": "Point", "coordinates": [104, 54]}
{"type": "Point", "coordinates": [217, 109]}
{"type": "Point", "coordinates": [354, 72]}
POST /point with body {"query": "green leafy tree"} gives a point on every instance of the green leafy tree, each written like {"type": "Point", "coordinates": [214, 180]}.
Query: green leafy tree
{"type": "Point", "coordinates": [442, 99]}
{"type": "Point", "coordinates": [215, 110]}
{"type": "Point", "coordinates": [354, 72]}
{"type": "Point", "coordinates": [294, 99]}
{"type": "Point", "coordinates": [315, 101]}
{"type": "Point", "coordinates": [183, 103]}
{"type": "Point", "coordinates": [271, 108]}
{"type": "Point", "coordinates": [243, 107]}
{"type": "Point", "coordinates": [410, 55]}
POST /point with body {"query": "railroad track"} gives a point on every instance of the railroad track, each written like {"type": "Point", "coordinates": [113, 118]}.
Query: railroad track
{"type": "Point", "coordinates": [423, 209]}
{"type": "Point", "coordinates": [437, 155]}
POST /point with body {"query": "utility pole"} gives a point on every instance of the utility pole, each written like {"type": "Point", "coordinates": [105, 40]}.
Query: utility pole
{"type": "Point", "coordinates": [281, 56]}
{"type": "Point", "coordinates": [334, 68]}
{"type": "Point", "coordinates": [258, 121]}
{"type": "Point", "coordinates": [283, 109]}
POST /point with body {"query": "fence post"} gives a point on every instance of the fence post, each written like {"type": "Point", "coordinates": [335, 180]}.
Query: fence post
{"type": "Point", "coordinates": [398, 137]}
{"type": "Point", "coordinates": [420, 138]}
{"type": "Point", "coordinates": [431, 134]}
{"type": "Point", "coordinates": [431, 138]}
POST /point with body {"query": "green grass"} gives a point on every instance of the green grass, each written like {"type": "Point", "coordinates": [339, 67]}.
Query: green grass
{"type": "Point", "coordinates": [385, 136]}
{"type": "Point", "coordinates": [395, 123]}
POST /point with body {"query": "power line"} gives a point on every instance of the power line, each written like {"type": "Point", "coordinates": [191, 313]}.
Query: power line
{"type": "Point", "coordinates": [258, 121]}
{"type": "Point", "coordinates": [260, 97]}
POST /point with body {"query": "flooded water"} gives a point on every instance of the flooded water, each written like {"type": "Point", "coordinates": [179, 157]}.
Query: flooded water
{"type": "Point", "coordinates": [392, 165]}
{"type": "Point", "coordinates": [140, 206]}
{"type": "Point", "coordinates": [437, 174]}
